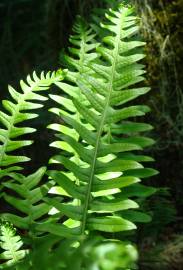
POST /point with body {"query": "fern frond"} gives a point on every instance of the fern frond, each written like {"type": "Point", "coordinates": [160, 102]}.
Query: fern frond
{"type": "Point", "coordinates": [78, 61]}
{"type": "Point", "coordinates": [11, 245]}
{"type": "Point", "coordinates": [106, 89]}
{"type": "Point", "coordinates": [82, 51]}
{"type": "Point", "coordinates": [26, 199]}
{"type": "Point", "coordinates": [19, 111]}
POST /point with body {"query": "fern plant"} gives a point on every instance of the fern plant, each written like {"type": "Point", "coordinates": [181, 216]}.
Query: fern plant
{"type": "Point", "coordinates": [104, 164]}
{"type": "Point", "coordinates": [96, 185]}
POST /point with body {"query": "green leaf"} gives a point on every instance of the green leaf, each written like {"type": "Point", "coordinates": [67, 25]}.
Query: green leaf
{"type": "Point", "coordinates": [141, 173]}
{"type": "Point", "coordinates": [112, 205]}
{"type": "Point", "coordinates": [17, 221]}
{"type": "Point", "coordinates": [26, 198]}
{"type": "Point", "coordinates": [138, 190]}
{"type": "Point", "coordinates": [73, 212]}
{"type": "Point", "coordinates": [66, 184]}
{"type": "Point", "coordinates": [57, 229]}
{"type": "Point", "coordinates": [136, 216]}
{"type": "Point", "coordinates": [110, 224]}
{"type": "Point", "coordinates": [114, 183]}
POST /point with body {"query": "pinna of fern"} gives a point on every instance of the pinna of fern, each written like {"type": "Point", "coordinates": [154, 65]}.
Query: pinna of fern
{"type": "Point", "coordinates": [95, 184]}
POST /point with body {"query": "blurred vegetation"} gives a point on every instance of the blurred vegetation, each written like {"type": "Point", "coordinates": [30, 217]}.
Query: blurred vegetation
{"type": "Point", "coordinates": [161, 240]}
{"type": "Point", "coordinates": [166, 255]}
{"type": "Point", "coordinates": [162, 28]}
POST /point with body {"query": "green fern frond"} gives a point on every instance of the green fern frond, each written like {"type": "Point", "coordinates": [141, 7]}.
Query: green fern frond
{"type": "Point", "coordinates": [81, 55]}
{"type": "Point", "coordinates": [82, 51]}
{"type": "Point", "coordinates": [19, 111]}
{"type": "Point", "coordinates": [78, 61]}
{"type": "Point", "coordinates": [27, 199]}
{"type": "Point", "coordinates": [106, 89]}
{"type": "Point", "coordinates": [11, 244]}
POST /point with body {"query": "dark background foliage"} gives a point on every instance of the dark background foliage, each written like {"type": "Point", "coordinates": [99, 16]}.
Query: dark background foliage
{"type": "Point", "coordinates": [162, 27]}
{"type": "Point", "coordinates": [32, 33]}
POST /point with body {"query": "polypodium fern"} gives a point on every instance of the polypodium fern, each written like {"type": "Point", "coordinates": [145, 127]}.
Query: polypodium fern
{"type": "Point", "coordinates": [104, 164]}
{"type": "Point", "coordinates": [18, 112]}
{"type": "Point", "coordinates": [101, 173]}
{"type": "Point", "coordinates": [10, 243]}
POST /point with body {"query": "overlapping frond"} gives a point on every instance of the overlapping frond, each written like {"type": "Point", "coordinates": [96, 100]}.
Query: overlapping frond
{"type": "Point", "coordinates": [82, 51]}
{"type": "Point", "coordinates": [78, 63]}
{"type": "Point", "coordinates": [26, 197]}
{"type": "Point", "coordinates": [102, 167]}
{"type": "Point", "coordinates": [18, 111]}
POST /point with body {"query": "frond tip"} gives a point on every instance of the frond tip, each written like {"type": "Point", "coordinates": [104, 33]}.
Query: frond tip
{"type": "Point", "coordinates": [20, 110]}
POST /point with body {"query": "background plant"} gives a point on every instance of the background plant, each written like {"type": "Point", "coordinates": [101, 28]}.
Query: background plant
{"type": "Point", "coordinates": [161, 27]}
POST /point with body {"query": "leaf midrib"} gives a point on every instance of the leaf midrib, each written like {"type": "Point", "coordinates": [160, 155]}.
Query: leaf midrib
{"type": "Point", "coordinates": [88, 194]}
